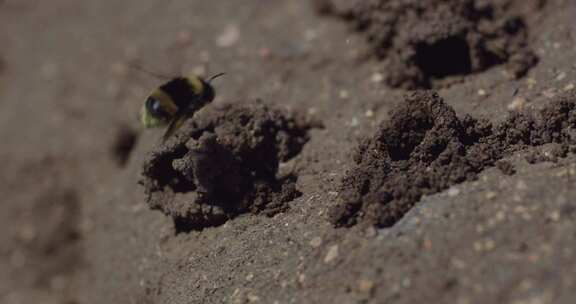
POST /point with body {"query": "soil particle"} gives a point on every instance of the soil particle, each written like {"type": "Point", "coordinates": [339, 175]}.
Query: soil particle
{"type": "Point", "coordinates": [549, 153]}
{"type": "Point", "coordinates": [425, 148]}
{"type": "Point", "coordinates": [224, 163]}
{"type": "Point", "coordinates": [505, 167]}
{"type": "Point", "coordinates": [332, 254]}
{"type": "Point", "coordinates": [425, 44]}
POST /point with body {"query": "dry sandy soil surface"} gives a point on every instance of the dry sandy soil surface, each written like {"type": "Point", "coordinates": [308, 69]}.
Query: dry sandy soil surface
{"type": "Point", "coordinates": [371, 151]}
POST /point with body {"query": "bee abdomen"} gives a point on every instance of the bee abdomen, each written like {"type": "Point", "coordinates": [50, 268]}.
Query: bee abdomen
{"type": "Point", "coordinates": [181, 92]}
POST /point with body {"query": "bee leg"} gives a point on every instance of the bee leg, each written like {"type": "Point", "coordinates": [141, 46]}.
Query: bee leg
{"type": "Point", "coordinates": [174, 125]}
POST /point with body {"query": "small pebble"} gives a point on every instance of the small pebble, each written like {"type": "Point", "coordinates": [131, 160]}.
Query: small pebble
{"type": "Point", "coordinates": [491, 195]}
{"type": "Point", "coordinates": [365, 285]}
{"type": "Point", "coordinates": [484, 245]}
{"type": "Point", "coordinates": [354, 122]}
{"type": "Point", "coordinates": [480, 228]}
{"type": "Point", "coordinates": [228, 37]}
{"type": "Point", "coordinates": [531, 82]}
{"type": "Point", "coordinates": [458, 264]}
{"type": "Point", "coordinates": [27, 233]}
{"type": "Point", "coordinates": [478, 246]}
{"type": "Point", "coordinates": [481, 92]}
{"type": "Point", "coordinates": [199, 70]}
{"type": "Point", "coordinates": [119, 69]}
{"type": "Point", "coordinates": [517, 104]}
{"type": "Point", "coordinates": [427, 244]}
{"type": "Point", "coordinates": [549, 93]}
{"type": "Point", "coordinates": [500, 216]}
{"type": "Point", "coordinates": [204, 56]}
{"type": "Point", "coordinates": [555, 215]}
{"type": "Point", "coordinates": [310, 34]}
{"type": "Point", "coordinates": [316, 242]}
{"type": "Point", "coordinates": [521, 185]}
{"type": "Point", "coordinates": [253, 298]}
{"type": "Point", "coordinates": [561, 173]}
{"type": "Point", "coordinates": [184, 37]}
{"type": "Point", "coordinates": [526, 285]}
{"type": "Point", "coordinates": [371, 232]}
{"type": "Point", "coordinates": [377, 77]}
{"type": "Point", "coordinates": [406, 282]}
{"type": "Point", "coordinates": [489, 245]}
{"type": "Point", "coordinates": [265, 52]}
{"type": "Point", "coordinates": [453, 191]}
{"type": "Point", "coordinates": [332, 254]}
{"type": "Point", "coordinates": [49, 70]}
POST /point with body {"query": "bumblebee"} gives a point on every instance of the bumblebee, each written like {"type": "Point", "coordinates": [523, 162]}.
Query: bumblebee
{"type": "Point", "coordinates": [175, 101]}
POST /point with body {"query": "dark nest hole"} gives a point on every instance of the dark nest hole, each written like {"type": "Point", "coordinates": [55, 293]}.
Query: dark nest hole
{"type": "Point", "coordinates": [438, 43]}
{"type": "Point", "coordinates": [445, 58]}
{"type": "Point", "coordinates": [164, 173]}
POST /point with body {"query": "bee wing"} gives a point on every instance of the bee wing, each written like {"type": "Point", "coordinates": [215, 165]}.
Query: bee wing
{"type": "Point", "coordinates": [174, 125]}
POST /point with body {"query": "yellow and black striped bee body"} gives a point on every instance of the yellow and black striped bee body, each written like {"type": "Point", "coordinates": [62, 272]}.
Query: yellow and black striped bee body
{"type": "Point", "coordinates": [175, 101]}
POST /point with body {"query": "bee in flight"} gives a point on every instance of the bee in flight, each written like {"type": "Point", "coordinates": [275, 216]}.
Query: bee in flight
{"type": "Point", "coordinates": [175, 101]}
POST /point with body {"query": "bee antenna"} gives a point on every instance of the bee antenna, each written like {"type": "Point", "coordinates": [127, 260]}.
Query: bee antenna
{"type": "Point", "coordinates": [215, 76]}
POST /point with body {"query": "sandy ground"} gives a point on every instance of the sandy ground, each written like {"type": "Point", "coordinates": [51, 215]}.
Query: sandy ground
{"type": "Point", "coordinates": [76, 222]}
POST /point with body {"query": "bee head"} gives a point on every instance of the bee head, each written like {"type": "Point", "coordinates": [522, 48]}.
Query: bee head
{"type": "Point", "coordinates": [156, 111]}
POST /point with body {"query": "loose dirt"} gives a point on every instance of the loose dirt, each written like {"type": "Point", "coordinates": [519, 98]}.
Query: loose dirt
{"type": "Point", "coordinates": [425, 148]}
{"type": "Point", "coordinates": [434, 43]}
{"type": "Point", "coordinates": [229, 159]}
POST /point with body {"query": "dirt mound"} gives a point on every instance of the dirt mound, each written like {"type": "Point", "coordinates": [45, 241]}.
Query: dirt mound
{"type": "Point", "coordinates": [427, 44]}
{"type": "Point", "coordinates": [226, 163]}
{"type": "Point", "coordinates": [425, 148]}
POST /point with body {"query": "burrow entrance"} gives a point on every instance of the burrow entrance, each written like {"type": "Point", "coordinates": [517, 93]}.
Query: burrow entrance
{"type": "Point", "coordinates": [225, 163]}
{"type": "Point", "coordinates": [432, 59]}
{"type": "Point", "coordinates": [425, 148]}
{"type": "Point", "coordinates": [428, 44]}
